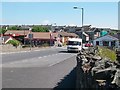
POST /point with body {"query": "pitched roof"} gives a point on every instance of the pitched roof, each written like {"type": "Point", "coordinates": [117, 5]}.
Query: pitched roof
{"type": "Point", "coordinates": [17, 32]}
{"type": "Point", "coordinates": [117, 35]}
{"type": "Point", "coordinates": [6, 38]}
{"type": "Point", "coordinates": [85, 34]}
{"type": "Point", "coordinates": [42, 35]}
{"type": "Point", "coordinates": [67, 34]}
{"type": "Point", "coordinates": [106, 37]}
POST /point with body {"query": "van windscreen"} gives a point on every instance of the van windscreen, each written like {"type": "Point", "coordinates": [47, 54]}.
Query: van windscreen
{"type": "Point", "coordinates": [74, 43]}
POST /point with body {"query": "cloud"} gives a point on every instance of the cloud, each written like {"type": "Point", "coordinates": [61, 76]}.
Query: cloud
{"type": "Point", "coordinates": [45, 22]}
{"type": "Point", "coordinates": [72, 25]}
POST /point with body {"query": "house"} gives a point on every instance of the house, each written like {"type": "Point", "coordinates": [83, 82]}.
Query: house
{"type": "Point", "coordinates": [65, 35]}
{"type": "Point", "coordinates": [92, 32]}
{"type": "Point", "coordinates": [106, 40]}
{"type": "Point", "coordinates": [87, 33]}
{"type": "Point", "coordinates": [17, 34]}
{"type": "Point", "coordinates": [117, 36]}
{"type": "Point", "coordinates": [40, 38]}
{"type": "Point", "coordinates": [37, 39]}
{"type": "Point", "coordinates": [83, 35]}
{"type": "Point", "coordinates": [5, 39]}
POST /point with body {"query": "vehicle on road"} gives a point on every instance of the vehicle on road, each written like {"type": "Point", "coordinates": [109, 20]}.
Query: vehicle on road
{"type": "Point", "coordinates": [88, 45]}
{"type": "Point", "coordinates": [74, 44]}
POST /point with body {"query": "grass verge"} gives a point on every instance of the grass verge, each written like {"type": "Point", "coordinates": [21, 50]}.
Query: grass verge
{"type": "Point", "coordinates": [104, 52]}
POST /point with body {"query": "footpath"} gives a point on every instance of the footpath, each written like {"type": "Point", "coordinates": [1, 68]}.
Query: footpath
{"type": "Point", "coordinates": [11, 49]}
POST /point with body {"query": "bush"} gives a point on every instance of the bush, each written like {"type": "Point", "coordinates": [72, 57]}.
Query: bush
{"type": "Point", "coordinates": [14, 42]}
{"type": "Point", "coordinates": [40, 29]}
{"type": "Point", "coordinates": [45, 45]}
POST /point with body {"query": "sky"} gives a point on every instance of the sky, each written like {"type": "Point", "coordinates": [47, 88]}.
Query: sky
{"type": "Point", "coordinates": [97, 14]}
{"type": "Point", "coordinates": [119, 15]}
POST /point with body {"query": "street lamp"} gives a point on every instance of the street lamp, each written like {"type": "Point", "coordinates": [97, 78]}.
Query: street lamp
{"type": "Point", "coordinates": [82, 18]}
{"type": "Point", "coordinates": [51, 35]}
{"type": "Point", "coordinates": [24, 36]}
{"type": "Point", "coordinates": [82, 13]}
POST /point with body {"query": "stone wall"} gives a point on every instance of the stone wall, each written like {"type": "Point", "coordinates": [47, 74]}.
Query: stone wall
{"type": "Point", "coordinates": [9, 48]}
{"type": "Point", "coordinates": [96, 72]}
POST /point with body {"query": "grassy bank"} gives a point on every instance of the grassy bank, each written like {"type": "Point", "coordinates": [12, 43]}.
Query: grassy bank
{"type": "Point", "coordinates": [107, 53]}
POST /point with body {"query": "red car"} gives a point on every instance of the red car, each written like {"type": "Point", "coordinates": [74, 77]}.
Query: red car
{"type": "Point", "coordinates": [88, 45]}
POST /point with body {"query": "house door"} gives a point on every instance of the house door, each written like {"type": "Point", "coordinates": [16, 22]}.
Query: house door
{"type": "Point", "coordinates": [97, 42]}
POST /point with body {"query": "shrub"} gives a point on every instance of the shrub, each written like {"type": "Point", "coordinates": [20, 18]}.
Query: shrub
{"type": "Point", "coordinates": [45, 45]}
{"type": "Point", "coordinates": [14, 42]}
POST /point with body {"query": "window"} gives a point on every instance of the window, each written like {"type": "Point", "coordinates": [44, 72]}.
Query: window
{"type": "Point", "coordinates": [113, 43]}
{"type": "Point", "coordinates": [100, 42]}
{"type": "Point", "coordinates": [74, 43]}
{"type": "Point", "coordinates": [105, 43]}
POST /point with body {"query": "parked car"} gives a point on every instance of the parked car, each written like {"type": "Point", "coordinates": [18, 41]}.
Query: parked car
{"type": "Point", "coordinates": [88, 45]}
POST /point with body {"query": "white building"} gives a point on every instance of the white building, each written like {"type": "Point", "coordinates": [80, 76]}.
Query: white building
{"type": "Point", "coordinates": [106, 40]}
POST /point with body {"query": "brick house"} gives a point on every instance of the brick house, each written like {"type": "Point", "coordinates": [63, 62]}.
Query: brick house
{"type": "Point", "coordinates": [40, 38]}
{"type": "Point", "coordinates": [64, 36]}
{"type": "Point", "coordinates": [17, 34]}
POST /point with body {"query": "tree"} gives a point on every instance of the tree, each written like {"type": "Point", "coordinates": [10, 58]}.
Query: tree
{"type": "Point", "coordinates": [113, 32]}
{"type": "Point", "coordinates": [2, 31]}
{"type": "Point", "coordinates": [14, 28]}
{"type": "Point", "coordinates": [39, 29]}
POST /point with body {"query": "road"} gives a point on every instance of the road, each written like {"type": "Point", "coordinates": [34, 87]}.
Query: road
{"type": "Point", "coordinates": [50, 68]}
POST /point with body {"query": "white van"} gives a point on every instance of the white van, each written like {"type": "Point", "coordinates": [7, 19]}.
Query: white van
{"type": "Point", "coordinates": [74, 44]}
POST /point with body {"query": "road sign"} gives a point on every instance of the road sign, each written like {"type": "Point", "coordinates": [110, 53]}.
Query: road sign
{"type": "Point", "coordinates": [30, 35]}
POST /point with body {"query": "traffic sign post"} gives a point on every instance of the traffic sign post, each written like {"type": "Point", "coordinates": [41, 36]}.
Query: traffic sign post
{"type": "Point", "coordinates": [30, 37]}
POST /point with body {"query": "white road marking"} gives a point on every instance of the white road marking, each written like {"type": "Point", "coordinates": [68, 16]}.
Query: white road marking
{"type": "Point", "coordinates": [24, 61]}
{"type": "Point", "coordinates": [45, 61]}
{"type": "Point", "coordinates": [39, 57]}
{"type": "Point", "coordinates": [53, 64]}
{"type": "Point", "coordinates": [59, 61]}
{"type": "Point", "coordinates": [11, 71]}
{"type": "Point", "coordinates": [48, 55]}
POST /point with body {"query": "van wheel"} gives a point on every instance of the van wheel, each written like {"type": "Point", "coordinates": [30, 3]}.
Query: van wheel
{"type": "Point", "coordinates": [68, 51]}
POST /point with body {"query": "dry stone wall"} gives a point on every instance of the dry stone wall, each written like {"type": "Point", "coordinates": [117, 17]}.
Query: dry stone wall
{"type": "Point", "coordinates": [96, 72]}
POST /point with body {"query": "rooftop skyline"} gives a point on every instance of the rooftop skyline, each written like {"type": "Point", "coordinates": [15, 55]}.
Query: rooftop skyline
{"type": "Point", "coordinates": [98, 14]}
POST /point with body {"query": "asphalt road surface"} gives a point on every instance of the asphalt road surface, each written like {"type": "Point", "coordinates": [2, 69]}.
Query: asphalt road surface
{"type": "Point", "coordinates": [52, 68]}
